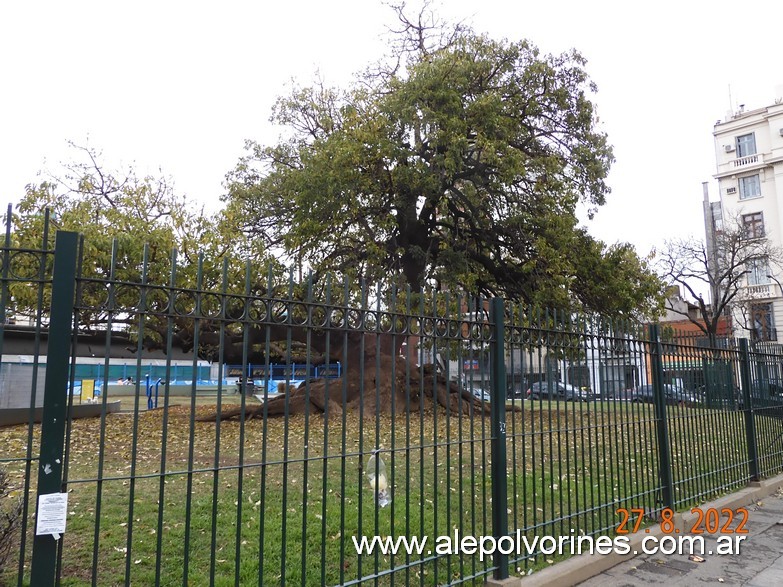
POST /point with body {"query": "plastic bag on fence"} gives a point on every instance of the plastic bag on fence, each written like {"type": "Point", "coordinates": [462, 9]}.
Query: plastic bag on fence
{"type": "Point", "coordinates": [379, 480]}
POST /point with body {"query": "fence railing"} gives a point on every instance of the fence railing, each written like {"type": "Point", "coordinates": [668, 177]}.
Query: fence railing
{"type": "Point", "coordinates": [452, 417]}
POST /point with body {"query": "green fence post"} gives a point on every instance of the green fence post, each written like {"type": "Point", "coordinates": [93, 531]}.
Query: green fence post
{"type": "Point", "coordinates": [661, 423]}
{"type": "Point", "coordinates": [498, 470]}
{"type": "Point", "coordinates": [747, 410]}
{"type": "Point", "coordinates": [50, 465]}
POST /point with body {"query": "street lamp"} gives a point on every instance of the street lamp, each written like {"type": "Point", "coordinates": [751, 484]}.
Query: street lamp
{"type": "Point", "coordinates": [772, 277]}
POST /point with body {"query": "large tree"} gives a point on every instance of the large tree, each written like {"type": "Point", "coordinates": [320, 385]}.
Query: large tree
{"type": "Point", "coordinates": [461, 164]}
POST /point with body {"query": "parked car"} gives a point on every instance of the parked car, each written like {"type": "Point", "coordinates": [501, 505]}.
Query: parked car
{"type": "Point", "coordinates": [555, 390]}
{"type": "Point", "coordinates": [674, 395]}
{"type": "Point", "coordinates": [517, 391]}
{"type": "Point", "coordinates": [476, 390]}
{"type": "Point", "coordinates": [767, 389]}
{"type": "Point", "coordinates": [764, 394]}
{"type": "Point", "coordinates": [624, 395]}
{"type": "Point", "coordinates": [481, 394]}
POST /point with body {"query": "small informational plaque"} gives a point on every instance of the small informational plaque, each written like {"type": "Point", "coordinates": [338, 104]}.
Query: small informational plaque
{"type": "Point", "coordinates": [52, 512]}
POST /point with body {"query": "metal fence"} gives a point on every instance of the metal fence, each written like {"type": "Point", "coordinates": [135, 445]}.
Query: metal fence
{"type": "Point", "coordinates": [452, 417]}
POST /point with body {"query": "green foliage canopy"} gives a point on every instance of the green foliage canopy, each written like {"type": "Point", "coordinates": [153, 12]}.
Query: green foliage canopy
{"type": "Point", "coordinates": [464, 168]}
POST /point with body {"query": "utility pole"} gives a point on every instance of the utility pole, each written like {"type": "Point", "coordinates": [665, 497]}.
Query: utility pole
{"type": "Point", "coordinates": [710, 229]}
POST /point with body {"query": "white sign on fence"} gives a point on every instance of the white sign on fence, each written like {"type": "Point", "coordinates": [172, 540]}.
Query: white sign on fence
{"type": "Point", "coordinates": [52, 512]}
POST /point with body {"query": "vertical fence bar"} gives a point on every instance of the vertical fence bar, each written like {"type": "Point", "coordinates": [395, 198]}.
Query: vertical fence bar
{"type": "Point", "coordinates": [50, 468]}
{"type": "Point", "coordinates": [498, 431]}
{"type": "Point", "coordinates": [110, 316]}
{"type": "Point", "coordinates": [661, 423]}
{"type": "Point", "coordinates": [42, 272]}
{"type": "Point", "coordinates": [170, 312]}
{"type": "Point", "coordinates": [325, 457]}
{"type": "Point", "coordinates": [4, 270]}
{"type": "Point", "coordinates": [747, 411]}
{"type": "Point", "coordinates": [262, 502]}
{"type": "Point", "coordinates": [141, 311]}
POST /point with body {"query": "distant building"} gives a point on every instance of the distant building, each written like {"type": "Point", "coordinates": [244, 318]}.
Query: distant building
{"type": "Point", "coordinates": [678, 322]}
{"type": "Point", "coordinates": [681, 334]}
{"type": "Point", "coordinates": [23, 364]}
{"type": "Point", "coordinates": [749, 157]}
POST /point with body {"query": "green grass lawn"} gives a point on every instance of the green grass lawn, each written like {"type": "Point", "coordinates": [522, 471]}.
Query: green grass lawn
{"type": "Point", "coordinates": [280, 499]}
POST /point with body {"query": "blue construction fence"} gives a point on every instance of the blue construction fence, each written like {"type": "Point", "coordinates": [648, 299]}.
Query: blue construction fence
{"type": "Point", "coordinates": [174, 373]}
{"type": "Point", "coordinates": [262, 376]}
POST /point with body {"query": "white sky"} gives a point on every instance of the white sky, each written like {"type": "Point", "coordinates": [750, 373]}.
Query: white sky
{"type": "Point", "coordinates": [181, 85]}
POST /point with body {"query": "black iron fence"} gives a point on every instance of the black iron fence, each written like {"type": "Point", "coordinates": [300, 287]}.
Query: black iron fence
{"type": "Point", "coordinates": [451, 420]}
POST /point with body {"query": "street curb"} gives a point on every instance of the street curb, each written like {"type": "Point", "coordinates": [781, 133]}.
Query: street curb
{"type": "Point", "coordinates": [582, 567]}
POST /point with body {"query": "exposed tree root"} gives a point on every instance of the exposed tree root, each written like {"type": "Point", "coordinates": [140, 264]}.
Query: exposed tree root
{"type": "Point", "coordinates": [371, 395]}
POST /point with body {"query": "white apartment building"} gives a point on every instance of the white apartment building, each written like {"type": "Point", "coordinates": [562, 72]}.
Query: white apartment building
{"type": "Point", "coordinates": [749, 157]}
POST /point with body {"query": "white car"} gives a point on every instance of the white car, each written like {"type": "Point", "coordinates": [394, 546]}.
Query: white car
{"type": "Point", "coordinates": [480, 394]}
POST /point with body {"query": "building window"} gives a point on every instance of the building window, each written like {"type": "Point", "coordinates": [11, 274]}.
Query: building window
{"type": "Point", "coordinates": [746, 145]}
{"type": "Point", "coordinates": [750, 187]}
{"type": "Point", "coordinates": [762, 323]}
{"type": "Point", "coordinates": [758, 271]}
{"type": "Point", "coordinates": [753, 225]}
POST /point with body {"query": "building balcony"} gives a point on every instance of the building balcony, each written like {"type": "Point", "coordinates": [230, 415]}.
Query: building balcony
{"type": "Point", "coordinates": [761, 292]}
{"type": "Point", "coordinates": [749, 160]}
{"type": "Point", "coordinates": [740, 165]}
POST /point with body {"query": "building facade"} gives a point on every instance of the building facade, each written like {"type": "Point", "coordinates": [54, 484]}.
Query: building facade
{"type": "Point", "coordinates": [749, 157]}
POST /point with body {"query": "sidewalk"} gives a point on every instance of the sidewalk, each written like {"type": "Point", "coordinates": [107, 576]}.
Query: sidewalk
{"type": "Point", "coordinates": [759, 564]}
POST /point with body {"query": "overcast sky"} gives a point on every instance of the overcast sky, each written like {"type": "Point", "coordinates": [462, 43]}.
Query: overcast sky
{"type": "Point", "coordinates": [181, 85]}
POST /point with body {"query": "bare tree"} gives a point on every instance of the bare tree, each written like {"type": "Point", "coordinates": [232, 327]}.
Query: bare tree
{"type": "Point", "coordinates": [741, 259]}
